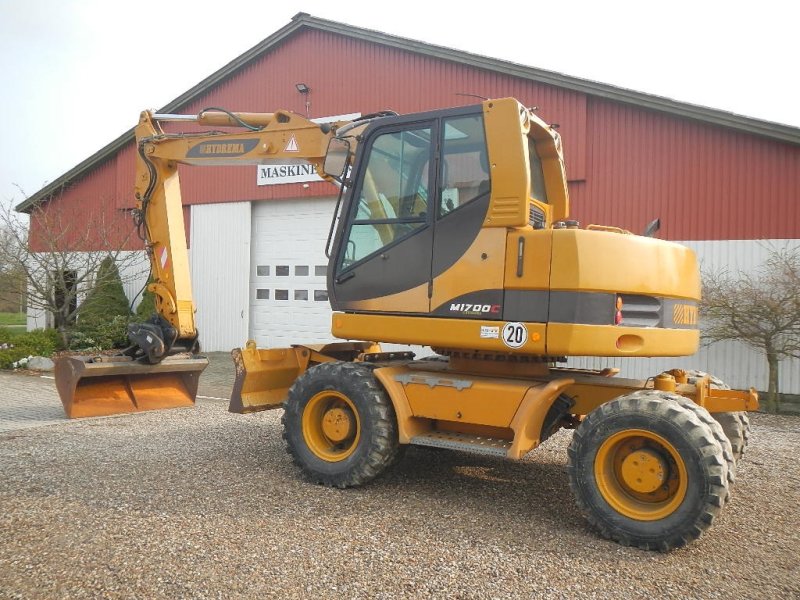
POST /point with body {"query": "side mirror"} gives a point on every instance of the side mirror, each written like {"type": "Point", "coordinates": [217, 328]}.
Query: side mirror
{"type": "Point", "coordinates": [337, 158]}
{"type": "Point", "coordinates": [652, 228]}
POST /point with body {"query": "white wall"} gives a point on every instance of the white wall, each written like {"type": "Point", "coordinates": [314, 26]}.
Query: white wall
{"type": "Point", "coordinates": [220, 263]}
{"type": "Point", "coordinates": [134, 273]}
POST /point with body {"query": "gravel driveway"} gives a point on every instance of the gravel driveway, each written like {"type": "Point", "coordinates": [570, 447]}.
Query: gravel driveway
{"type": "Point", "coordinates": [200, 503]}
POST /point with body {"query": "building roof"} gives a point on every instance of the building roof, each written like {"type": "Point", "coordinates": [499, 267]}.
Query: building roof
{"type": "Point", "coordinates": [776, 131]}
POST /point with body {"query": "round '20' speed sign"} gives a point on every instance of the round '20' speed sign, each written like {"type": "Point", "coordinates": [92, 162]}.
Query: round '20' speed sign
{"type": "Point", "coordinates": [515, 335]}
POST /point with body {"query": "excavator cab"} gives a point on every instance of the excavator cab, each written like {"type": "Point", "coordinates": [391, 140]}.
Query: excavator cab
{"type": "Point", "coordinates": [420, 196]}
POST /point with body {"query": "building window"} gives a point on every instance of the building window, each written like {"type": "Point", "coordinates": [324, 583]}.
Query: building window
{"type": "Point", "coordinates": [320, 296]}
{"type": "Point", "coordinates": [281, 294]}
{"type": "Point", "coordinates": [321, 270]}
{"type": "Point", "coordinates": [262, 294]}
{"type": "Point", "coordinates": [301, 271]}
{"type": "Point", "coordinates": [301, 294]}
{"type": "Point", "coordinates": [262, 270]}
{"type": "Point", "coordinates": [282, 270]}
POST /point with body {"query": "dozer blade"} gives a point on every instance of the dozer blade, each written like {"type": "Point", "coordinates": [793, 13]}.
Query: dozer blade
{"type": "Point", "coordinates": [264, 376]}
{"type": "Point", "coordinates": [118, 385]}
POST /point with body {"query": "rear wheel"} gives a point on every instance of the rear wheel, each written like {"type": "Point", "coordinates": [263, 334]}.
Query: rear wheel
{"type": "Point", "coordinates": [646, 471]}
{"type": "Point", "coordinates": [745, 421]}
{"type": "Point", "coordinates": [736, 425]}
{"type": "Point", "coordinates": [339, 425]}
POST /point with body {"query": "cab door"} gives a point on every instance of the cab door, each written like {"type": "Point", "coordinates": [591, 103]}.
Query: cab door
{"type": "Point", "coordinates": [383, 257]}
{"type": "Point", "coordinates": [468, 258]}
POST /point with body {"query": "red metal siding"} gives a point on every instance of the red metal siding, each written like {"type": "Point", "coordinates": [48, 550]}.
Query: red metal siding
{"type": "Point", "coordinates": [125, 168]}
{"type": "Point", "coordinates": [704, 182]}
{"type": "Point", "coordinates": [347, 76]}
{"type": "Point", "coordinates": [626, 165]}
{"type": "Point", "coordinates": [85, 215]}
{"type": "Point", "coordinates": [94, 211]}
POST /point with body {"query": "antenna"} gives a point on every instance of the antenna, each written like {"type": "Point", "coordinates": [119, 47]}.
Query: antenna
{"type": "Point", "coordinates": [471, 95]}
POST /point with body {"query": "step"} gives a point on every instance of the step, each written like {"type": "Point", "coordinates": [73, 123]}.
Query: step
{"type": "Point", "coordinates": [463, 441]}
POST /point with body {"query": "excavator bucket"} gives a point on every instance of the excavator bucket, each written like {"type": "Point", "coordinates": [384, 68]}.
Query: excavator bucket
{"type": "Point", "coordinates": [117, 385]}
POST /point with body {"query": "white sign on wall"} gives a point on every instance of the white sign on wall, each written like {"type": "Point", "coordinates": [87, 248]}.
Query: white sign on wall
{"type": "Point", "coordinates": [293, 172]}
{"type": "Point", "coordinates": [273, 174]}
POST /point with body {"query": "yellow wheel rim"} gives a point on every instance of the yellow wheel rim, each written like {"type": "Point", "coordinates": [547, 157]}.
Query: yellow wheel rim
{"type": "Point", "coordinates": [640, 474]}
{"type": "Point", "coordinates": [331, 427]}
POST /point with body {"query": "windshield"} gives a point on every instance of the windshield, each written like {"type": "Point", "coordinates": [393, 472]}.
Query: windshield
{"type": "Point", "coordinates": [393, 196]}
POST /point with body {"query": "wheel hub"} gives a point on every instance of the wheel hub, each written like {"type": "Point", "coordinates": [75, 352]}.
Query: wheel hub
{"type": "Point", "coordinates": [337, 424]}
{"type": "Point", "coordinates": [330, 426]}
{"type": "Point", "coordinates": [640, 474]}
{"type": "Point", "coordinates": [643, 471]}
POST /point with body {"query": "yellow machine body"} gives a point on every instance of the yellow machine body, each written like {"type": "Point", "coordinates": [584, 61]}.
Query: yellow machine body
{"type": "Point", "coordinates": [467, 252]}
{"type": "Point", "coordinates": [564, 286]}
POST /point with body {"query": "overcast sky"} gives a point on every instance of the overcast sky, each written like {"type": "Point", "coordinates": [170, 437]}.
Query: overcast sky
{"type": "Point", "coordinates": [76, 74]}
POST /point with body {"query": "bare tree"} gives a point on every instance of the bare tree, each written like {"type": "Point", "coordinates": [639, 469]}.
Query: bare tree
{"type": "Point", "coordinates": [59, 252]}
{"type": "Point", "coordinates": [761, 310]}
{"type": "Point", "coordinates": [12, 282]}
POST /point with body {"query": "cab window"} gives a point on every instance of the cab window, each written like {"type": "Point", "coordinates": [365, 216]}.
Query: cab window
{"type": "Point", "coordinates": [538, 190]}
{"type": "Point", "coordinates": [393, 198]}
{"type": "Point", "coordinates": [465, 164]}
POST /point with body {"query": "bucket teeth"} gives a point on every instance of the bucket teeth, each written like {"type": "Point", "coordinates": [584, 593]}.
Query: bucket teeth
{"type": "Point", "coordinates": [117, 385]}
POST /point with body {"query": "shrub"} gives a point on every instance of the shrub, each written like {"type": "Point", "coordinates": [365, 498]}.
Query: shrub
{"type": "Point", "coordinates": [107, 298]}
{"type": "Point", "coordinates": [104, 315]}
{"type": "Point", "coordinates": [148, 304]}
{"type": "Point", "coordinates": [40, 342]}
{"type": "Point", "coordinates": [101, 335]}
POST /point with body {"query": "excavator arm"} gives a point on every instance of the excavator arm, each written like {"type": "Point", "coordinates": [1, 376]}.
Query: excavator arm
{"type": "Point", "coordinates": [161, 368]}
{"type": "Point", "coordinates": [263, 138]}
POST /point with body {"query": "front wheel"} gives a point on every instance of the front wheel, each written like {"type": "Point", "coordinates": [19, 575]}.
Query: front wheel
{"type": "Point", "coordinates": [647, 471]}
{"type": "Point", "coordinates": [339, 425]}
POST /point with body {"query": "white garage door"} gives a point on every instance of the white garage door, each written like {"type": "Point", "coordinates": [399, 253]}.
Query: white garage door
{"type": "Point", "coordinates": [288, 297]}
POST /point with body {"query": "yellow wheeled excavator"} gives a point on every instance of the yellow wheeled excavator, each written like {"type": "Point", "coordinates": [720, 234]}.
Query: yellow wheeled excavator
{"type": "Point", "coordinates": [451, 231]}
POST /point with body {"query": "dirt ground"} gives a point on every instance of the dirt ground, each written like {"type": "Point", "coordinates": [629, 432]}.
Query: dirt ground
{"type": "Point", "coordinates": [201, 503]}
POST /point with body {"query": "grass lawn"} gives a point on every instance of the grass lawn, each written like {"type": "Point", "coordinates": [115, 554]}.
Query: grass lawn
{"type": "Point", "coordinates": [15, 321]}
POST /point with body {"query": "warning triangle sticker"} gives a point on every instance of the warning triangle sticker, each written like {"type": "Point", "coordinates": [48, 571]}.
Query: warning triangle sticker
{"type": "Point", "coordinates": [292, 145]}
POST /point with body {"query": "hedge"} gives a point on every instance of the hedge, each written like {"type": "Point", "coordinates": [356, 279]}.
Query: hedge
{"type": "Point", "coordinates": [18, 345]}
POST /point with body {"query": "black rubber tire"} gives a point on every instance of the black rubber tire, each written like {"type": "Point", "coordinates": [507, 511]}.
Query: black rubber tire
{"type": "Point", "coordinates": [719, 435]}
{"type": "Point", "coordinates": [736, 425]}
{"type": "Point", "coordinates": [377, 446]}
{"type": "Point", "coordinates": [693, 375]}
{"type": "Point", "coordinates": [733, 425]}
{"type": "Point", "coordinates": [666, 415]}
{"type": "Point", "coordinates": [714, 426]}
{"type": "Point", "coordinates": [744, 418]}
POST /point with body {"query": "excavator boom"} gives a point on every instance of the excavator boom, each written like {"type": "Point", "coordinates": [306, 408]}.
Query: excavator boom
{"type": "Point", "coordinates": [161, 368]}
